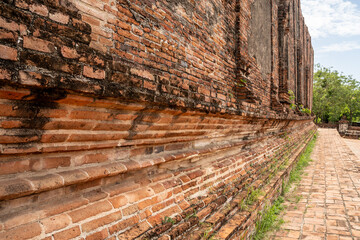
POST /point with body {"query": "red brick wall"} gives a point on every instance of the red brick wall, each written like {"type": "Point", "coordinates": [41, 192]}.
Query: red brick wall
{"type": "Point", "coordinates": [115, 114]}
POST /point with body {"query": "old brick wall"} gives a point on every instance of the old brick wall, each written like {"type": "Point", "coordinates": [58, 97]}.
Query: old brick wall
{"type": "Point", "coordinates": [115, 114]}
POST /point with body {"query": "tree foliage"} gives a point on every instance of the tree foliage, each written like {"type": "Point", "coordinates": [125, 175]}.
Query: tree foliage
{"type": "Point", "coordinates": [335, 95]}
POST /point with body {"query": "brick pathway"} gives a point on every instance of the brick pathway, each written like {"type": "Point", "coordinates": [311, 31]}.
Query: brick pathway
{"type": "Point", "coordinates": [330, 189]}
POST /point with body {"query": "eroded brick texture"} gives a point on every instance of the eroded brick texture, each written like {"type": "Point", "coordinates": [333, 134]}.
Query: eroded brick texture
{"type": "Point", "coordinates": [116, 114]}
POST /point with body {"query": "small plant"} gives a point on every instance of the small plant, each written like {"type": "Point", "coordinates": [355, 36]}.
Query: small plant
{"type": "Point", "coordinates": [242, 82]}
{"type": "Point", "coordinates": [292, 100]}
{"type": "Point", "coordinates": [207, 234]}
{"type": "Point", "coordinates": [213, 238]}
{"type": "Point", "coordinates": [307, 111]}
{"type": "Point", "coordinates": [252, 196]}
{"type": "Point", "coordinates": [270, 219]}
{"type": "Point", "coordinates": [228, 206]}
{"type": "Point", "coordinates": [191, 215]}
{"type": "Point", "coordinates": [243, 206]}
{"type": "Point", "coordinates": [168, 220]}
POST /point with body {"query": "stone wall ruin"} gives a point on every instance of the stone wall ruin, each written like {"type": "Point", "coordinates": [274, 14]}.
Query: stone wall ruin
{"type": "Point", "coordinates": [116, 115]}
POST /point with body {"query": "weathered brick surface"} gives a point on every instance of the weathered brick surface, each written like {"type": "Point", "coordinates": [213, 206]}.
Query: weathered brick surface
{"type": "Point", "coordinates": [117, 114]}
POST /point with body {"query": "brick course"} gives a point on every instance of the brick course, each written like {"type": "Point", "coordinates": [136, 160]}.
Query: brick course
{"type": "Point", "coordinates": [117, 114]}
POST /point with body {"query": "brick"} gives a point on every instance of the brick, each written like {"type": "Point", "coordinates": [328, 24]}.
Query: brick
{"type": "Point", "coordinates": [9, 25]}
{"type": "Point", "coordinates": [115, 168]}
{"type": "Point", "coordinates": [13, 188]}
{"type": "Point", "coordinates": [77, 125]}
{"type": "Point", "coordinates": [39, 9]}
{"type": "Point", "coordinates": [112, 127]}
{"type": "Point", "coordinates": [46, 182]}
{"type": "Point", "coordinates": [5, 74]}
{"type": "Point", "coordinates": [149, 85]}
{"type": "Point", "coordinates": [90, 210]}
{"type": "Point", "coordinates": [74, 176]}
{"type": "Point", "coordinates": [148, 202]}
{"type": "Point", "coordinates": [100, 222]}
{"type": "Point", "coordinates": [142, 73]}
{"type": "Point", "coordinates": [69, 52]}
{"type": "Point", "coordinates": [157, 188]}
{"type": "Point", "coordinates": [55, 223]}
{"type": "Point", "coordinates": [95, 195]}
{"type": "Point", "coordinates": [96, 172]}
{"type": "Point", "coordinates": [30, 78]}
{"type": "Point", "coordinates": [139, 194]}
{"type": "Point", "coordinates": [16, 219]}
{"type": "Point", "coordinates": [98, 235]}
{"type": "Point", "coordinates": [53, 113]}
{"type": "Point", "coordinates": [94, 73]}
{"type": "Point", "coordinates": [94, 158]}
{"type": "Point", "coordinates": [90, 115]}
{"type": "Point", "coordinates": [195, 174]}
{"type": "Point", "coordinates": [123, 224]}
{"type": "Point", "coordinates": [162, 205]}
{"type": "Point", "coordinates": [130, 210]}
{"type": "Point", "coordinates": [75, 100]}
{"type": "Point", "coordinates": [54, 138]}
{"type": "Point", "coordinates": [50, 62]}
{"type": "Point", "coordinates": [8, 36]}
{"type": "Point", "coordinates": [13, 167]}
{"type": "Point", "coordinates": [157, 219]}
{"type": "Point", "coordinates": [38, 44]}
{"type": "Point", "coordinates": [64, 205]}
{"type": "Point", "coordinates": [8, 53]}
{"type": "Point", "coordinates": [59, 17]}
{"type": "Point", "coordinates": [26, 231]}
{"type": "Point", "coordinates": [134, 231]}
{"type": "Point", "coordinates": [22, 4]}
{"type": "Point", "coordinates": [55, 162]}
{"type": "Point", "coordinates": [68, 234]}
{"type": "Point", "coordinates": [96, 137]}
{"type": "Point", "coordinates": [118, 201]}
{"type": "Point", "coordinates": [90, 20]}
{"type": "Point", "coordinates": [18, 139]}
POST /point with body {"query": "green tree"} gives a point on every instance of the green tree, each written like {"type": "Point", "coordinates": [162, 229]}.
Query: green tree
{"type": "Point", "coordinates": [335, 95]}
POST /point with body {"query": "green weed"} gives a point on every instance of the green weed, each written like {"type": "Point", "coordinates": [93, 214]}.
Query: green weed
{"type": "Point", "coordinates": [194, 214]}
{"type": "Point", "coordinates": [253, 196]}
{"type": "Point", "coordinates": [168, 220]}
{"type": "Point", "coordinates": [270, 218]}
{"type": "Point", "coordinates": [304, 160]}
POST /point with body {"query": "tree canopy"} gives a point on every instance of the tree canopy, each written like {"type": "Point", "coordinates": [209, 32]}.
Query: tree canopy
{"type": "Point", "coordinates": [335, 95]}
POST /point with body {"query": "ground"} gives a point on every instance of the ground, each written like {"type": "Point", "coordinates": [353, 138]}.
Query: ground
{"type": "Point", "coordinates": [326, 203]}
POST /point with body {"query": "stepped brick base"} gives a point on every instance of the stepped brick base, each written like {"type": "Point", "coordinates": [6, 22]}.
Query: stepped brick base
{"type": "Point", "coordinates": [148, 164]}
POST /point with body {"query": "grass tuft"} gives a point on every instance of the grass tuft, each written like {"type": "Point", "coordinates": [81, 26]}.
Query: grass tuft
{"type": "Point", "coordinates": [270, 219]}
{"type": "Point", "coordinates": [253, 196]}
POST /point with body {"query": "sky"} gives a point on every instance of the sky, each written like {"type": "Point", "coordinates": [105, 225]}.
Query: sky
{"type": "Point", "coordinates": [334, 26]}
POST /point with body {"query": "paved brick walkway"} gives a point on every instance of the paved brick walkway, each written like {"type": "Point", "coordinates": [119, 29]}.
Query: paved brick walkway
{"type": "Point", "coordinates": [330, 189]}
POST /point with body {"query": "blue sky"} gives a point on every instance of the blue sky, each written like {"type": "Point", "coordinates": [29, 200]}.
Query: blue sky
{"type": "Point", "coordinates": [335, 29]}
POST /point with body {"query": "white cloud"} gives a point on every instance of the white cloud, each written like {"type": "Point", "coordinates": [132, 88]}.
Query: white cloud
{"type": "Point", "coordinates": [331, 17]}
{"type": "Point", "coordinates": [340, 47]}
